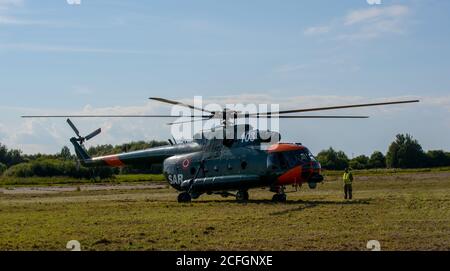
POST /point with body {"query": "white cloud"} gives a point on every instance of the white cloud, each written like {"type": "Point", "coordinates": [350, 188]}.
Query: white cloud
{"type": "Point", "coordinates": [8, 20]}
{"type": "Point", "coordinates": [375, 14]}
{"type": "Point", "coordinates": [374, 2]}
{"type": "Point", "coordinates": [438, 102]}
{"type": "Point", "coordinates": [5, 19]}
{"type": "Point", "coordinates": [7, 7]}
{"type": "Point", "coordinates": [49, 135]}
{"type": "Point", "coordinates": [7, 4]}
{"type": "Point", "coordinates": [366, 24]}
{"type": "Point", "coordinates": [316, 30]}
{"type": "Point", "coordinates": [374, 22]}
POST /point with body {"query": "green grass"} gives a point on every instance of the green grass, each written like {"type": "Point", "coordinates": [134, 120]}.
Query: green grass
{"type": "Point", "coordinates": [139, 178]}
{"type": "Point", "coordinates": [402, 211]}
{"type": "Point", "coordinates": [44, 181]}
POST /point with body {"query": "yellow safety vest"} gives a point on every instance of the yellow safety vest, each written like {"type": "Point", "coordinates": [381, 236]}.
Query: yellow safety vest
{"type": "Point", "coordinates": [347, 178]}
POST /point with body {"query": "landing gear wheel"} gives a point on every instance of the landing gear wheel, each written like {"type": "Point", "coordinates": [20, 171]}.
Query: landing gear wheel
{"type": "Point", "coordinates": [279, 198]}
{"type": "Point", "coordinates": [184, 197]}
{"type": "Point", "coordinates": [242, 196]}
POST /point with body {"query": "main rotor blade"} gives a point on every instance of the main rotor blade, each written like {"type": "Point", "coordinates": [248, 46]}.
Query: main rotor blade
{"type": "Point", "coordinates": [111, 116]}
{"type": "Point", "coordinates": [336, 107]}
{"type": "Point", "coordinates": [73, 127]}
{"type": "Point", "coordinates": [282, 117]}
{"type": "Point", "coordinates": [188, 121]}
{"type": "Point", "coordinates": [93, 134]}
{"type": "Point", "coordinates": [312, 117]}
{"type": "Point", "coordinates": [179, 103]}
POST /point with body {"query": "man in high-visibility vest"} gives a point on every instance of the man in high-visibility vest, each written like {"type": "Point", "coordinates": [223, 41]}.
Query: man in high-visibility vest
{"type": "Point", "coordinates": [348, 180]}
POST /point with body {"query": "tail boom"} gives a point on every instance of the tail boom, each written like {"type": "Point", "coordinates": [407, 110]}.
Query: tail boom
{"type": "Point", "coordinates": [136, 158]}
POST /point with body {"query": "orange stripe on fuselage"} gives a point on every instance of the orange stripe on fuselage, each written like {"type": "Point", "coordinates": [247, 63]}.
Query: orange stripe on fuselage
{"type": "Point", "coordinates": [284, 147]}
{"type": "Point", "coordinates": [114, 161]}
{"type": "Point", "coordinates": [292, 176]}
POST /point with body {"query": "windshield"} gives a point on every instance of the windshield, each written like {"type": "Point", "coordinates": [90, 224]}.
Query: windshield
{"type": "Point", "coordinates": [290, 159]}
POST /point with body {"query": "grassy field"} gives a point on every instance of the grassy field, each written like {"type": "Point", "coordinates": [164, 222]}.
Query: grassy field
{"type": "Point", "coordinates": [408, 211]}
{"type": "Point", "coordinates": [42, 181]}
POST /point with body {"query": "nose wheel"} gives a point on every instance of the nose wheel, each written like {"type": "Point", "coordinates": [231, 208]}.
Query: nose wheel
{"type": "Point", "coordinates": [242, 195]}
{"type": "Point", "coordinates": [280, 196]}
{"type": "Point", "coordinates": [184, 197]}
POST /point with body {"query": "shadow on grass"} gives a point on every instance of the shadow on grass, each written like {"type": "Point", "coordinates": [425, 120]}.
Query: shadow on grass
{"type": "Point", "coordinates": [299, 205]}
{"type": "Point", "coordinates": [297, 209]}
{"type": "Point", "coordinates": [307, 204]}
{"type": "Point", "coordinates": [294, 202]}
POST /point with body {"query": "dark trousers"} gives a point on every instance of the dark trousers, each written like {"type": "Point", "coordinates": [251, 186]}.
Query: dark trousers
{"type": "Point", "coordinates": [348, 191]}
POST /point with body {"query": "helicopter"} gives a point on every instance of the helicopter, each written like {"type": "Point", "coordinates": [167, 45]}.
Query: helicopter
{"type": "Point", "coordinates": [215, 162]}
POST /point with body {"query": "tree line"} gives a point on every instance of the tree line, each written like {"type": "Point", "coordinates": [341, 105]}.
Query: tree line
{"type": "Point", "coordinates": [13, 163]}
{"type": "Point", "coordinates": [403, 152]}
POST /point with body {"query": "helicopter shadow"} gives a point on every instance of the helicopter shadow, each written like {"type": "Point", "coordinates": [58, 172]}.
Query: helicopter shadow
{"type": "Point", "coordinates": [308, 204]}
{"type": "Point", "coordinates": [300, 204]}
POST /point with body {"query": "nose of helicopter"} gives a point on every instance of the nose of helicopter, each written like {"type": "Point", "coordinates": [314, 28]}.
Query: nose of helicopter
{"type": "Point", "coordinates": [295, 163]}
{"type": "Point", "coordinates": [307, 173]}
{"type": "Point", "coordinates": [312, 172]}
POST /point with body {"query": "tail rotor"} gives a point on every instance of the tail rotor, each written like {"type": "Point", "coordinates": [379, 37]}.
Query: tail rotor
{"type": "Point", "coordinates": [82, 139]}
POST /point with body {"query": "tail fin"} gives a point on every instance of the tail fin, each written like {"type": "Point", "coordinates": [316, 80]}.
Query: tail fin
{"type": "Point", "coordinates": [80, 150]}
{"type": "Point", "coordinates": [79, 140]}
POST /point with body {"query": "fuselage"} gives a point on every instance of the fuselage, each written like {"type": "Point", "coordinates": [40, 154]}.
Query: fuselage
{"type": "Point", "coordinates": [243, 168]}
{"type": "Point", "coordinates": [213, 165]}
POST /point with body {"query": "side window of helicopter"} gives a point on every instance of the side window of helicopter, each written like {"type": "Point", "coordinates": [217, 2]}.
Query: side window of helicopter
{"type": "Point", "coordinates": [291, 158]}
{"type": "Point", "coordinates": [277, 161]}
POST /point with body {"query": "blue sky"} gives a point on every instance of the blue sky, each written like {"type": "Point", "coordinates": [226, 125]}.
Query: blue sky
{"type": "Point", "coordinates": [110, 56]}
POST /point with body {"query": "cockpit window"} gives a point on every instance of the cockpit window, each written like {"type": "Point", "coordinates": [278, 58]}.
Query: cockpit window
{"type": "Point", "coordinates": [305, 155]}
{"type": "Point", "coordinates": [290, 159]}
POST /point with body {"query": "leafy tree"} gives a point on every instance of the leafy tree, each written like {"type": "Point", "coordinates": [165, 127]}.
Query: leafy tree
{"type": "Point", "coordinates": [405, 152]}
{"type": "Point", "coordinates": [359, 162]}
{"type": "Point", "coordinates": [101, 150]}
{"type": "Point", "coordinates": [10, 157]}
{"type": "Point", "coordinates": [45, 167]}
{"type": "Point", "coordinates": [377, 160]}
{"type": "Point", "coordinates": [127, 147]}
{"type": "Point", "coordinates": [15, 157]}
{"type": "Point", "coordinates": [334, 160]}
{"type": "Point", "coordinates": [437, 158]}
{"type": "Point", "coordinates": [3, 153]}
{"type": "Point", "coordinates": [65, 153]}
{"type": "Point", "coordinates": [2, 168]}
